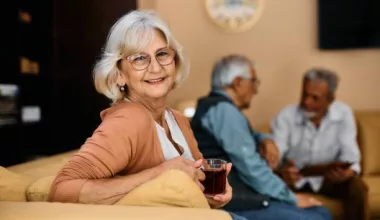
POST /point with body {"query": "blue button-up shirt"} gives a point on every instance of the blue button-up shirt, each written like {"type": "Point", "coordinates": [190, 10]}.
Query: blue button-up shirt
{"type": "Point", "coordinates": [231, 129]}
{"type": "Point", "coordinates": [335, 139]}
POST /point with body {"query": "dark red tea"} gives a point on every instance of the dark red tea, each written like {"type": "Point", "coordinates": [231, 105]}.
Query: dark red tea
{"type": "Point", "coordinates": [215, 182]}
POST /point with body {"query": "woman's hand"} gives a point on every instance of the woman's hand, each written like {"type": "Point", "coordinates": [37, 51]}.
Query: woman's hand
{"type": "Point", "coordinates": [221, 200]}
{"type": "Point", "coordinates": [192, 168]}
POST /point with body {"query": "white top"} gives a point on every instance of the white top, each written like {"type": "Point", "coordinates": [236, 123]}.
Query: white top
{"type": "Point", "coordinates": [297, 138]}
{"type": "Point", "coordinates": [168, 149]}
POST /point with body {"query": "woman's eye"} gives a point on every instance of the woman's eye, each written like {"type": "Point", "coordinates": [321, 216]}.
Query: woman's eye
{"type": "Point", "coordinates": [139, 58]}
{"type": "Point", "coordinates": [162, 53]}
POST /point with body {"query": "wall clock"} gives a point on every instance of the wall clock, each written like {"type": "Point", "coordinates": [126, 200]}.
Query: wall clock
{"type": "Point", "coordinates": [234, 16]}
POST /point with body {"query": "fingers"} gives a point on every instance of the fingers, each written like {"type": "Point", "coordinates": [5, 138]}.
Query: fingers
{"type": "Point", "coordinates": [292, 170]}
{"type": "Point", "coordinates": [228, 168]}
{"type": "Point", "coordinates": [226, 197]}
{"type": "Point", "coordinates": [197, 164]}
{"type": "Point", "coordinates": [200, 175]}
{"type": "Point", "coordinates": [314, 202]}
{"type": "Point", "coordinates": [200, 185]}
{"type": "Point", "coordinates": [339, 172]}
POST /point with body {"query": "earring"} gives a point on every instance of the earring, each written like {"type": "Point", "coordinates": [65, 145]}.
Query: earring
{"type": "Point", "coordinates": [121, 88]}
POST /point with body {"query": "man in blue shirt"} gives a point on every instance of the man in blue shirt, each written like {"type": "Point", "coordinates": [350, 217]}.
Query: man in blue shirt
{"type": "Point", "coordinates": [222, 131]}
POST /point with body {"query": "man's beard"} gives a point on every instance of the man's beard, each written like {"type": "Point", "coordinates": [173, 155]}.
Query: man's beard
{"type": "Point", "coordinates": [309, 114]}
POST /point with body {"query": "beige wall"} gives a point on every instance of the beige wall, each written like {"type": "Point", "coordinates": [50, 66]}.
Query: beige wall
{"type": "Point", "coordinates": [283, 43]}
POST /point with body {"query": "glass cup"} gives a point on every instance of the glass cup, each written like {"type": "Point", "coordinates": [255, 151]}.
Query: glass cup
{"type": "Point", "coordinates": [216, 174]}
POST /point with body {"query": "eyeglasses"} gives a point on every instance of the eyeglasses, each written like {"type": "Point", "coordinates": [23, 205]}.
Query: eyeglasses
{"type": "Point", "coordinates": [255, 81]}
{"type": "Point", "coordinates": [141, 61]}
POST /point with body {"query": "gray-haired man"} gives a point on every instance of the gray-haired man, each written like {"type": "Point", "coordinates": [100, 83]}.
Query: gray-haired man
{"type": "Point", "coordinates": [320, 133]}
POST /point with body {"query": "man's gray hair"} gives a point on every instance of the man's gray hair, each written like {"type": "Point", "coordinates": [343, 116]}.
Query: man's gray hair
{"type": "Point", "coordinates": [228, 68]}
{"type": "Point", "coordinates": [328, 76]}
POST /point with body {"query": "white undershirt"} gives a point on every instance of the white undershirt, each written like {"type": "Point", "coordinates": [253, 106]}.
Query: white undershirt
{"type": "Point", "coordinates": [167, 147]}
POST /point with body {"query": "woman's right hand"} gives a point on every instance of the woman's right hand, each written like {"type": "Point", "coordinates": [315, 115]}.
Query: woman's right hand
{"type": "Point", "coordinates": [192, 168]}
{"type": "Point", "coordinates": [306, 201]}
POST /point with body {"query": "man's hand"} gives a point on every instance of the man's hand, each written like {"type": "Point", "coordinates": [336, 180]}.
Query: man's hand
{"type": "Point", "coordinates": [339, 175]}
{"type": "Point", "coordinates": [221, 200]}
{"type": "Point", "coordinates": [289, 173]}
{"type": "Point", "coordinates": [306, 201]}
{"type": "Point", "coordinates": [269, 151]}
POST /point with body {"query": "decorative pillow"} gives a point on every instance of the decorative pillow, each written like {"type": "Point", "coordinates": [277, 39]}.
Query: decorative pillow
{"type": "Point", "coordinates": [171, 188]}
{"type": "Point", "coordinates": [38, 191]}
{"type": "Point", "coordinates": [13, 185]}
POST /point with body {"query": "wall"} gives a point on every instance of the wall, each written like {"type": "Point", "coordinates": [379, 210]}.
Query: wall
{"type": "Point", "coordinates": [283, 43]}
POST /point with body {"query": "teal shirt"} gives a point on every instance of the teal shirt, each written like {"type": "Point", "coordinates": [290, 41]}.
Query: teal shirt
{"type": "Point", "coordinates": [231, 129]}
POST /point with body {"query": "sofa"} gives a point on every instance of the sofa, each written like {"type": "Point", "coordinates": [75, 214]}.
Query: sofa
{"type": "Point", "coordinates": [368, 125]}
{"type": "Point", "coordinates": [24, 189]}
{"type": "Point", "coordinates": [23, 175]}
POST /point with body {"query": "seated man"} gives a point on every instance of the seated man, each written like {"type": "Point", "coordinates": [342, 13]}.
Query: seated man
{"type": "Point", "coordinates": [222, 131]}
{"type": "Point", "coordinates": [321, 132]}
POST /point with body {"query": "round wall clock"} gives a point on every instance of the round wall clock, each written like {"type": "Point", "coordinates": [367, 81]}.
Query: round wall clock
{"type": "Point", "coordinates": [234, 15]}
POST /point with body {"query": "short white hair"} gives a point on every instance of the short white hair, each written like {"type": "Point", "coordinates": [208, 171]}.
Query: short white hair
{"type": "Point", "coordinates": [130, 34]}
{"type": "Point", "coordinates": [228, 68]}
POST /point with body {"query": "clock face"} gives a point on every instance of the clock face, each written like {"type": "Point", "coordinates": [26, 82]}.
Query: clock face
{"type": "Point", "coordinates": [234, 15]}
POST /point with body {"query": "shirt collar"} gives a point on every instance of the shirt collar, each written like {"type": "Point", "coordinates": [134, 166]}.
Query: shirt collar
{"type": "Point", "coordinates": [221, 92]}
{"type": "Point", "coordinates": [334, 113]}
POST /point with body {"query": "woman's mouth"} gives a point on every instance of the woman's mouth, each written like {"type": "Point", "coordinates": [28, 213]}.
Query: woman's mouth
{"type": "Point", "coordinates": [155, 81]}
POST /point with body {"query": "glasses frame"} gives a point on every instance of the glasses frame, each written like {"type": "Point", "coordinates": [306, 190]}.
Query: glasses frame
{"type": "Point", "coordinates": [129, 59]}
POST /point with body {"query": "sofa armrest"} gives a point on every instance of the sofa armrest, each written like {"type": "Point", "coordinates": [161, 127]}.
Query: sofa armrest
{"type": "Point", "coordinates": [48, 211]}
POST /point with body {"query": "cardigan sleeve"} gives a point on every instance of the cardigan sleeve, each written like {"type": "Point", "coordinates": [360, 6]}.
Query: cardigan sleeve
{"type": "Point", "coordinates": [108, 151]}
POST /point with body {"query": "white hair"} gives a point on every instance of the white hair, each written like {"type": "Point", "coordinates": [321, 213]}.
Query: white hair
{"type": "Point", "coordinates": [228, 68]}
{"type": "Point", "coordinates": [130, 34]}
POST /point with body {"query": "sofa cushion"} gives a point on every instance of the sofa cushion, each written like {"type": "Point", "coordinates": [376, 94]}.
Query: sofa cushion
{"type": "Point", "coordinates": [373, 184]}
{"type": "Point", "coordinates": [369, 140]}
{"type": "Point", "coordinates": [64, 211]}
{"type": "Point", "coordinates": [13, 185]}
{"type": "Point", "coordinates": [38, 191]}
{"type": "Point", "coordinates": [333, 205]}
{"type": "Point", "coordinates": [172, 188]}
{"type": "Point", "coordinates": [47, 166]}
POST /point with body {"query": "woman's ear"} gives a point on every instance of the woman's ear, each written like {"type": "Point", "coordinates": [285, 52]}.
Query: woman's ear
{"type": "Point", "coordinates": [120, 78]}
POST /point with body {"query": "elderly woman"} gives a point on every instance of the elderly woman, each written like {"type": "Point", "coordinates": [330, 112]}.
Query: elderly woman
{"type": "Point", "coordinates": [139, 135]}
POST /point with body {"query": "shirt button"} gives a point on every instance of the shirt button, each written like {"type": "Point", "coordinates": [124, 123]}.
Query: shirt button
{"type": "Point", "coordinates": [265, 203]}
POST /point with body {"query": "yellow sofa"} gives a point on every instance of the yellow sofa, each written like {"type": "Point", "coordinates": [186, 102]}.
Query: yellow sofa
{"type": "Point", "coordinates": [24, 189]}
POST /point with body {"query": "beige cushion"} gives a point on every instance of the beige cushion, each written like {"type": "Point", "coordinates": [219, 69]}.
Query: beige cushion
{"type": "Point", "coordinates": [47, 166]}
{"type": "Point", "coordinates": [38, 191]}
{"type": "Point", "coordinates": [172, 188]}
{"type": "Point", "coordinates": [13, 185]}
{"type": "Point", "coordinates": [369, 141]}
{"type": "Point", "coordinates": [67, 211]}
{"type": "Point", "coordinates": [333, 205]}
{"type": "Point", "coordinates": [373, 184]}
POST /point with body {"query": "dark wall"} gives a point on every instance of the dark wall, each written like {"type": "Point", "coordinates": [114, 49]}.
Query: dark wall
{"type": "Point", "coordinates": [80, 31]}
{"type": "Point", "coordinates": [66, 38]}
